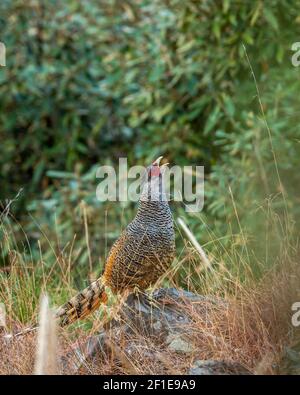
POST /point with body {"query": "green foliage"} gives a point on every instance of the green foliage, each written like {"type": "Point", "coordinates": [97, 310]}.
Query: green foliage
{"type": "Point", "coordinates": [85, 81]}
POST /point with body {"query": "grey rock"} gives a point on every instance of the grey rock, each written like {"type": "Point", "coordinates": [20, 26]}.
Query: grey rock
{"type": "Point", "coordinates": [214, 367]}
{"type": "Point", "coordinates": [160, 318]}
{"type": "Point", "coordinates": [175, 343]}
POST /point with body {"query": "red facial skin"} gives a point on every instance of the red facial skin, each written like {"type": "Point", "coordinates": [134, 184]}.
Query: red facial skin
{"type": "Point", "coordinates": [154, 171]}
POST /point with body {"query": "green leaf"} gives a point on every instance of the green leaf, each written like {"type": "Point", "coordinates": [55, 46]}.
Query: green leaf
{"type": "Point", "coordinates": [212, 120]}
{"type": "Point", "coordinates": [270, 17]}
{"type": "Point", "coordinates": [60, 174]}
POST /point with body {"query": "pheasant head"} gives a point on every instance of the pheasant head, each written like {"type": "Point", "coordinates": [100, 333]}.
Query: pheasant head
{"type": "Point", "coordinates": [153, 189]}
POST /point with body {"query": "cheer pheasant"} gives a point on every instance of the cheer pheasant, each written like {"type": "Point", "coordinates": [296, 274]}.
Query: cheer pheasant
{"type": "Point", "coordinates": [142, 254]}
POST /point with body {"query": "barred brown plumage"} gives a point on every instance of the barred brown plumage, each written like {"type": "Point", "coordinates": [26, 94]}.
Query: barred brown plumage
{"type": "Point", "coordinates": [141, 255]}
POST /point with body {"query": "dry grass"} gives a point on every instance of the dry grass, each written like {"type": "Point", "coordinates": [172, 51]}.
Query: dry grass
{"type": "Point", "coordinates": [252, 327]}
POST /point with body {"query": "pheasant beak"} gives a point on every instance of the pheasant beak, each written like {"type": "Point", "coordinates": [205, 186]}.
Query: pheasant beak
{"type": "Point", "coordinates": [163, 166]}
{"type": "Point", "coordinates": [157, 161]}
{"type": "Point", "coordinates": [156, 169]}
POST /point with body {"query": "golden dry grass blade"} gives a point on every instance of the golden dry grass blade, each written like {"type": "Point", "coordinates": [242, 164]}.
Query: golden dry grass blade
{"type": "Point", "coordinates": [46, 354]}
{"type": "Point", "coordinates": [2, 317]}
{"type": "Point", "coordinates": [195, 243]}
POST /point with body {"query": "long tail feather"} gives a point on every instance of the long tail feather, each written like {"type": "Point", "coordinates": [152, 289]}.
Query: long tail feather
{"type": "Point", "coordinates": [84, 303]}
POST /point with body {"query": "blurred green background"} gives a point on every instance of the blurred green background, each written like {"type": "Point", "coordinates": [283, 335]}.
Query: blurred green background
{"type": "Point", "coordinates": [86, 83]}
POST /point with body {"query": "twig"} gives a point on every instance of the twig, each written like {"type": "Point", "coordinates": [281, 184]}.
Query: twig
{"type": "Point", "coordinates": [7, 207]}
